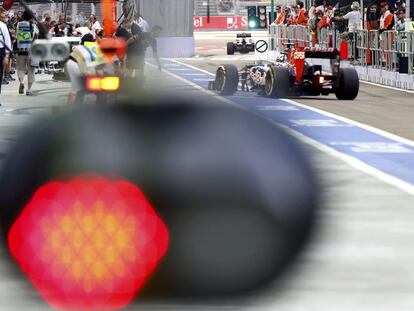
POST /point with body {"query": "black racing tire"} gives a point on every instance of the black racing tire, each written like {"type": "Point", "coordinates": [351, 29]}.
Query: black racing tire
{"type": "Point", "coordinates": [277, 82]}
{"type": "Point", "coordinates": [252, 47]}
{"type": "Point", "coordinates": [227, 80]}
{"type": "Point", "coordinates": [348, 86]}
{"type": "Point", "coordinates": [230, 48]}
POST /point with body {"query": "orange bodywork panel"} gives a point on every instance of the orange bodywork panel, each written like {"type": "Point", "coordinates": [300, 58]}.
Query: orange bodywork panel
{"type": "Point", "coordinates": [111, 47]}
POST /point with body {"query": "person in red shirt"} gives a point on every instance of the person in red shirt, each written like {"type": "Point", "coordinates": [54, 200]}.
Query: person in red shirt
{"type": "Point", "coordinates": [387, 18]}
{"type": "Point", "coordinates": [386, 23]}
{"type": "Point", "coordinates": [301, 15]}
{"type": "Point", "coordinates": [314, 27]}
{"type": "Point", "coordinates": [289, 19]}
{"type": "Point", "coordinates": [371, 23]}
{"type": "Point", "coordinates": [280, 19]}
{"type": "Point", "coordinates": [326, 20]}
{"type": "Point", "coordinates": [279, 14]}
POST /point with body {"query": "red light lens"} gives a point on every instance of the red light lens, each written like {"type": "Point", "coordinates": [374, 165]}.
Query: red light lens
{"type": "Point", "coordinates": [88, 244]}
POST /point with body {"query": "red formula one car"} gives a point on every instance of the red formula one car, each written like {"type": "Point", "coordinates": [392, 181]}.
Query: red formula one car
{"type": "Point", "coordinates": [291, 74]}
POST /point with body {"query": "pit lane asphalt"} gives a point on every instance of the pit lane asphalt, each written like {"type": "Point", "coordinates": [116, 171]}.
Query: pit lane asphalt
{"type": "Point", "coordinates": [380, 107]}
{"type": "Point", "coordinates": [361, 259]}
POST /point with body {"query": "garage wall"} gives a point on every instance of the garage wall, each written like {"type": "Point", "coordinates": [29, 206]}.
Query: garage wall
{"type": "Point", "coordinates": [176, 19]}
{"type": "Point", "coordinates": [175, 16]}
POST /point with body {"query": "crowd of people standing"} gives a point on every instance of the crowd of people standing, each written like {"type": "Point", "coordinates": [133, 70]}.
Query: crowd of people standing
{"type": "Point", "coordinates": [19, 29]}
{"type": "Point", "coordinates": [378, 15]}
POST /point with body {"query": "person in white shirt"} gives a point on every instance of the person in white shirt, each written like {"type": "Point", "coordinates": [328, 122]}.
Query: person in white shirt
{"type": "Point", "coordinates": [400, 24]}
{"type": "Point", "coordinates": [5, 43]}
{"type": "Point", "coordinates": [354, 18]}
{"type": "Point", "coordinates": [142, 23]}
{"type": "Point", "coordinates": [354, 24]}
{"type": "Point", "coordinates": [81, 31]}
{"type": "Point", "coordinates": [95, 25]}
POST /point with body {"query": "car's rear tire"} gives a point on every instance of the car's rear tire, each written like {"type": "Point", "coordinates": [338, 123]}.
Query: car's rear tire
{"type": "Point", "coordinates": [230, 48]}
{"type": "Point", "coordinates": [277, 82]}
{"type": "Point", "coordinates": [252, 47]}
{"type": "Point", "coordinates": [348, 86]}
{"type": "Point", "coordinates": [227, 80]}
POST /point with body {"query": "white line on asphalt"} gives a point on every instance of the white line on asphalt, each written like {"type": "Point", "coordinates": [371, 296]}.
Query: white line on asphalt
{"type": "Point", "coordinates": [178, 69]}
{"type": "Point", "coordinates": [355, 163]}
{"type": "Point", "coordinates": [200, 88]}
{"type": "Point", "coordinates": [387, 87]}
{"type": "Point", "coordinates": [193, 67]}
{"type": "Point", "coordinates": [335, 116]}
{"type": "Point", "coordinates": [356, 123]}
{"type": "Point", "coordinates": [228, 59]}
{"type": "Point", "coordinates": [219, 59]}
{"type": "Point", "coordinates": [194, 74]}
{"type": "Point", "coordinates": [210, 50]}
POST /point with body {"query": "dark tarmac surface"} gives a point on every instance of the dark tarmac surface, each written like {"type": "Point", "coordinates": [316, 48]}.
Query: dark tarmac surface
{"type": "Point", "coordinates": [383, 108]}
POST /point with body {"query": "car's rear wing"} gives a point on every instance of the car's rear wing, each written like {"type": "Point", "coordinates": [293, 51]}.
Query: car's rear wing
{"type": "Point", "coordinates": [244, 35]}
{"type": "Point", "coordinates": [321, 52]}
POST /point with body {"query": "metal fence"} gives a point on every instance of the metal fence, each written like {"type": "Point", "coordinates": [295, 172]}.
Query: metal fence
{"type": "Point", "coordinates": [389, 50]}
{"type": "Point", "coordinates": [72, 9]}
{"type": "Point", "coordinates": [291, 36]}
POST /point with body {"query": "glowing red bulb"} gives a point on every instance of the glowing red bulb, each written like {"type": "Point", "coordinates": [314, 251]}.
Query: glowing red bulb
{"type": "Point", "coordinates": [88, 244]}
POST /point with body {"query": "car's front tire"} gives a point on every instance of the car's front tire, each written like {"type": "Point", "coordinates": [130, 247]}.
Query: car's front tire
{"type": "Point", "coordinates": [227, 80]}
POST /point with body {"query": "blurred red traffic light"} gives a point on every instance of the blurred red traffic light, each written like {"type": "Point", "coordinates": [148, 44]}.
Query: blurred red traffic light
{"type": "Point", "coordinates": [89, 243]}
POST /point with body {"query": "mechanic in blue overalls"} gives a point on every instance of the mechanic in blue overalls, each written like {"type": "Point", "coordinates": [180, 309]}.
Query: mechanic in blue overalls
{"type": "Point", "coordinates": [26, 33]}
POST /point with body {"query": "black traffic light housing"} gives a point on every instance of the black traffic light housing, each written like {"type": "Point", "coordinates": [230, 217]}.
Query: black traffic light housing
{"type": "Point", "coordinates": [252, 18]}
{"type": "Point", "coordinates": [262, 16]}
{"type": "Point", "coordinates": [257, 17]}
{"type": "Point", "coordinates": [236, 193]}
